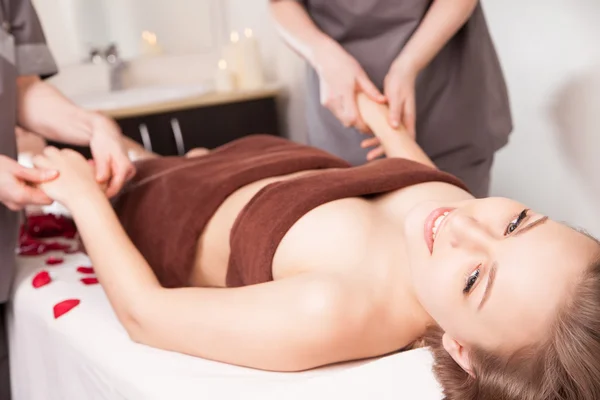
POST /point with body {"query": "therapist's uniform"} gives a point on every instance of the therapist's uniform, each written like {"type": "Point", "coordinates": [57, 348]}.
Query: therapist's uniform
{"type": "Point", "coordinates": [23, 51]}
{"type": "Point", "coordinates": [463, 113]}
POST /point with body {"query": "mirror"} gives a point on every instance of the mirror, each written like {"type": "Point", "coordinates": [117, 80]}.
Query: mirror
{"type": "Point", "coordinates": [138, 27]}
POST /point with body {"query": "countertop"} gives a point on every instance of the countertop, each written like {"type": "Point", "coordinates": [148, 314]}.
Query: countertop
{"type": "Point", "coordinates": [194, 101]}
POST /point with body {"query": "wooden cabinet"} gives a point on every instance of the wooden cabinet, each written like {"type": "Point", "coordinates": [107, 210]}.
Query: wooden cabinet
{"type": "Point", "coordinates": [176, 132]}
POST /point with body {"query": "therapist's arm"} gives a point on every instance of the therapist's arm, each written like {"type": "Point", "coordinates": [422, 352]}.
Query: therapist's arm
{"type": "Point", "coordinates": [298, 30]}
{"type": "Point", "coordinates": [43, 110]}
{"type": "Point", "coordinates": [340, 75]}
{"type": "Point", "coordinates": [441, 23]}
{"type": "Point", "coordinates": [46, 111]}
{"type": "Point", "coordinates": [443, 20]}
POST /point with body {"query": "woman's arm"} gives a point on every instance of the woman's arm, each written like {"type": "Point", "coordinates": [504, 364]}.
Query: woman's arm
{"type": "Point", "coordinates": [288, 325]}
{"type": "Point", "coordinates": [396, 142]}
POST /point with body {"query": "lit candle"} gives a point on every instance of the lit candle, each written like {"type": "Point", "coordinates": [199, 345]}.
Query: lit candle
{"type": "Point", "coordinates": [225, 80]}
{"type": "Point", "coordinates": [150, 45]}
{"type": "Point", "coordinates": [251, 75]}
{"type": "Point", "coordinates": [232, 53]}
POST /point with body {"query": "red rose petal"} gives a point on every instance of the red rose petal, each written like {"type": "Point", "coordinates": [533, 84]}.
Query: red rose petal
{"type": "Point", "coordinates": [53, 246]}
{"type": "Point", "coordinates": [41, 279]}
{"type": "Point", "coordinates": [32, 249]}
{"type": "Point", "coordinates": [64, 307]}
{"type": "Point", "coordinates": [54, 261]}
{"type": "Point", "coordinates": [89, 281]}
{"type": "Point", "coordinates": [85, 270]}
{"type": "Point", "coordinates": [48, 225]}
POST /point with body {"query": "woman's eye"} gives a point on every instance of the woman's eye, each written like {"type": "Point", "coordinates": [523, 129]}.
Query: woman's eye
{"type": "Point", "coordinates": [514, 224]}
{"type": "Point", "coordinates": [471, 280]}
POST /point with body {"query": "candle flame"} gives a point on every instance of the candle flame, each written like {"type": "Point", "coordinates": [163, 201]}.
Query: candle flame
{"type": "Point", "coordinates": [248, 32]}
{"type": "Point", "coordinates": [235, 37]}
{"type": "Point", "coordinates": [149, 37]}
{"type": "Point", "coordinates": [222, 64]}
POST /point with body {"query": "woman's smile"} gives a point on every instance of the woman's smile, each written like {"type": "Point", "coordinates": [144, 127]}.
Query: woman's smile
{"type": "Point", "coordinates": [433, 225]}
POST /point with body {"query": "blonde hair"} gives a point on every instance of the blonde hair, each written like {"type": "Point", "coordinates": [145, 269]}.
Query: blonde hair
{"type": "Point", "coordinates": [566, 366]}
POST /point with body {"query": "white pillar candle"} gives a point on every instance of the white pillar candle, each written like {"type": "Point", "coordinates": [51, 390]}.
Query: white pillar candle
{"type": "Point", "coordinates": [232, 54]}
{"type": "Point", "coordinates": [251, 75]}
{"type": "Point", "coordinates": [225, 79]}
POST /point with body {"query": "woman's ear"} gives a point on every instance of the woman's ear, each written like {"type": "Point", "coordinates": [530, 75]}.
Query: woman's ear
{"type": "Point", "coordinates": [458, 352]}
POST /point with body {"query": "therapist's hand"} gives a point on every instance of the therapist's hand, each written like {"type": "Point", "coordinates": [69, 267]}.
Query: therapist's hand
{"type": "Point", "coordinates": [18, 184]}
{"type": "Point", "coordinates": [399, 89]}
{"type": "Point", "coordinates": [113, 167]}
{"type": "Point", "coordinates": [341, 77]}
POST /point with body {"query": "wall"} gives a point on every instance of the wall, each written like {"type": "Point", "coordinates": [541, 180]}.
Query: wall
{"type": "Point", "coordinates": [183, 26]}
{"type": "Point", "coordinates": [550, 54]}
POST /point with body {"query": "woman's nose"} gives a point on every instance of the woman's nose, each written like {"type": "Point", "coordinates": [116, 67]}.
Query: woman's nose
{"type": "Point", "coordinates": [467, 232]}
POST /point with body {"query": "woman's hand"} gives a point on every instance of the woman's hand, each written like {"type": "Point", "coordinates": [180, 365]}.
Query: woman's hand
{"type": "Point", "coordinates": [374, 143]}
{"type": "Point", "coordinates": [399, 89]}
{"type": "Point", "coordinates": [386, 140]}
{"type": "Point", "coordinates": [76, 175]}
{"type": "Point", "coordinates": [341, 77]}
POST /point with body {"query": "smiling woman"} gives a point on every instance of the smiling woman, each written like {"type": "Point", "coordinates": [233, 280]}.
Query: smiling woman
{"type": "Point", "coordinates": [278, 256]}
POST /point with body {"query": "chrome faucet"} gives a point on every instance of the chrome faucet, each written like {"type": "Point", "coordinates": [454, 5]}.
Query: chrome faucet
{"type": "Point", "coordinates": [117, 67]}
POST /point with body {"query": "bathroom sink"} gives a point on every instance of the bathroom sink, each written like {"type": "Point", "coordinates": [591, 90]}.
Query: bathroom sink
{"type": "Point", "coordinates": [137, 97]}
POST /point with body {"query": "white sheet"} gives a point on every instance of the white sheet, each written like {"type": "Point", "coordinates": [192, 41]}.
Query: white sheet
{"type": "Point", "coordinates": [86, 354]}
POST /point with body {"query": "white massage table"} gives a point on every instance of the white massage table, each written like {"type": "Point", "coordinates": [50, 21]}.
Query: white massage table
{"type": "Point", "coordinates": [86, 354]}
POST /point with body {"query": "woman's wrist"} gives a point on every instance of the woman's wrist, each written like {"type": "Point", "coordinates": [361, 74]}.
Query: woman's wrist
{"type": "Point", "coordinates": [86, 200]}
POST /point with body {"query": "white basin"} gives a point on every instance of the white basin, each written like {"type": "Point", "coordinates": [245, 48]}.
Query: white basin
{"type": "Point", "coordinates": [137, 97]}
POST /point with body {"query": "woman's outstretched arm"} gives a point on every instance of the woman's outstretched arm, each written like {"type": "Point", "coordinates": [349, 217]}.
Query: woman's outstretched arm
{"type": "Point", "coordinates": [396, 142]}
{"type": "Point", "coordinates": [288, 325]}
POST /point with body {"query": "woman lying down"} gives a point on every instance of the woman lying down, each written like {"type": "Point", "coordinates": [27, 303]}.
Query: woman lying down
{"type": "Point", "coordinates": [273, 255]}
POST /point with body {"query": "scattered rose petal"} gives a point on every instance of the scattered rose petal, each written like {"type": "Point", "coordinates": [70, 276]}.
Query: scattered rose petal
{"type": "Point", "coordinates": [41, 279]}
{"type": "Point", "coordinates": [29, 246]}
{"type": "Point", "coordinates": [89, 281]}
{"type": "Point", "coordinates": [54, 261]}
{"type": "Point", "coordinates": [48, 225]}
{"type": "Point", "coordinates": [64, 307]}
{"type": "Point", "coordinates": [54, 246]}
{"type": "Point", "coordinates": [45, 226]}
{"type": "Point", "coordinates": [85, 270]}
{"type": "Point", "coordinates": [32, 249]}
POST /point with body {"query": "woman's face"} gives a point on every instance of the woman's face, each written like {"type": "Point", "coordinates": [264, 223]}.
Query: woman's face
{"type": "Point", "coordinates": [495, 271]}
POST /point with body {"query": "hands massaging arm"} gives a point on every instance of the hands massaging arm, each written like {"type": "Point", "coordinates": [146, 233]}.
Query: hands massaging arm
{"type": "Point", "coordinates": [396, 141]}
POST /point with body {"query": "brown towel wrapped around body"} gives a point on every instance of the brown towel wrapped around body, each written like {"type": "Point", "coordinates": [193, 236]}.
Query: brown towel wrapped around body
{"type": "Point", "coordinates": [165, 209]}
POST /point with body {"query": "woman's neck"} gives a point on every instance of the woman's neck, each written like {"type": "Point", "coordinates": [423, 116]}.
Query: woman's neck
{"type": "Point", "coordinates": [394, 281]}
{"type": "Point", "coordinates": [392, 211]}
